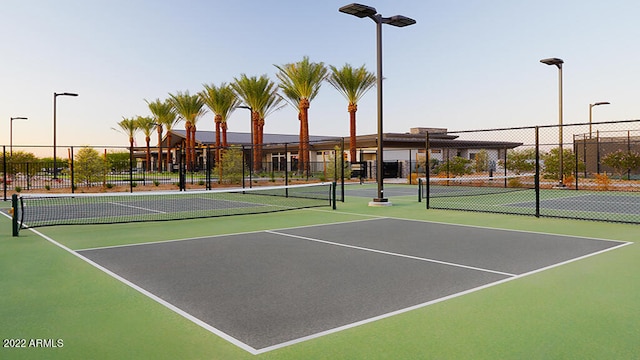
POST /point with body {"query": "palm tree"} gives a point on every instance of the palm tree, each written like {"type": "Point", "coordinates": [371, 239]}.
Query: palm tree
{"type": "Point", "coordinates": [130, 127]}
{"type": "Point", "coordinates": [255, 92]}
{"type": "Point", "coordinates": [270, 101]}
{"type": "Point", "coordinates": [164, 116]}
{"type": "Point", "coordinates": [302, 80]}
{"type": "Point", "coordinates": [222, 101]}
{"type": "Point", "coordinates": [147, 125]}
{"type": "Point", "coordinates": [352, 84]}
{"type": "Point", "coordinates": [190, 108]}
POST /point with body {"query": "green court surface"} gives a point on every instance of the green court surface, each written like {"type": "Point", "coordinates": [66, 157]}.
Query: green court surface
{"type": "Point", "coordinates": [586, 309]}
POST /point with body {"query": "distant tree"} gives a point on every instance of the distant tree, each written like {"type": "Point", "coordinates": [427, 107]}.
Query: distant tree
{"type": "Point", "coordinates": [24, 163]}
{"type": "Point", "coordinates": [622, 161]}
{"type": "Point", "coordinates": [118, 161]}
{"type": "Point", "coordinates": [229, 169]}
{"type": "Point", "coordinates": [352, 83]}
{"type": "Point", "coordinates": [89, 166]}
{"type": "Point", "coordinates": [520, 161]}
{"type": "Point", "coordinates": [331, 166]}
{"type": "Point", "coordinates": [552, 163]}
{"type": "Point", "coordinates": [165, 116]}
{"type": "Point", "coordinates": [303, 79]}
{"type": "Point", "coordinates": [190, 108]}
{"type": "Point", "coordinates": [481, 161]}
{"type": "Point", "coordinates": [456, 166]}
{"type": "Point", "coordinates": [146, 124]}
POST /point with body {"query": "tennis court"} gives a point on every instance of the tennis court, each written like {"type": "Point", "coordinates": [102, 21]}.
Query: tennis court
{"type": "Point", "coordinates": [264, 290]}
{"type": "Point", "coordinates": [356, 282]}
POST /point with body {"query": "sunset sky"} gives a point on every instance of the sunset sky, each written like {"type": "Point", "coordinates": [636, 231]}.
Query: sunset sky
{"type": "Point", "coordinates": [466, 64]}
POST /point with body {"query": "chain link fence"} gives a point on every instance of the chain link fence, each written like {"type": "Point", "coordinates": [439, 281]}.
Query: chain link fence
{"type": "Point", "coordinates": [580, 171]}
{"type": "Point", "coordinates": [86, 169]}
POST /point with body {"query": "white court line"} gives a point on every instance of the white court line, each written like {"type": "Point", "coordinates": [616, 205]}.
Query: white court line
{"type": "Point", "coordinates": [393, 254]}
{"type": "Point", "coordinates": [155, 298]}
{"type": "Point", "coordinates": [254, 351]}
{"type": "Point", "coordinates": [137, 207]}
{"type": "Point", "coordinates": [215, 236]}
{"type": "Point", "coordinates": [418, 306]}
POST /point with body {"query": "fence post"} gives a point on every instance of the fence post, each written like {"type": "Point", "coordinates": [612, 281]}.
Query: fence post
{"type": "Point", "coordinates": [286, 165]}
{"type": "Point", "coordinates": [130, 168]}
{"type": "Point", "coordinates": [243, 165]}
{"type": "Point", "coordinates": [537, 179]}
{"type": "Point", "coordinates": [342, 171]}
{"type": "Point", "coordinates": [598, 151]}
{"type": "Point", "coordinates": [4, 171]}
{"type": "Point", "coordinates": [73, 170]}
{"type": "Point", "coordinates": [252, 165]}
{"type": "Point", "coordinates": [207, 168]}
{"type": "Point", "coordinates": [575, 155]}
{"type": "Point", "coordinates": [427, 171]}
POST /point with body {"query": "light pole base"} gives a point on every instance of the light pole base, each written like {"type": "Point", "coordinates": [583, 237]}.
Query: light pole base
{"type": "Point", "coordinates": [380, 202]}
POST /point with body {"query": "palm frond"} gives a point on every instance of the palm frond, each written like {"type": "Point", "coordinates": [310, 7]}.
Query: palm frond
{"type": "Point", "coordinates": [190, 107]}
{"type": "Point", "coordinates": [146, 124]}
{"type": "Point", "coordinates": [351, 83]}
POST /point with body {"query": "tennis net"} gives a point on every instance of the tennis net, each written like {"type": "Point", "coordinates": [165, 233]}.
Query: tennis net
{"type": "Point", "coordinates": [35, 210]}
{"type": "Point", "coordinates": [474, 185]}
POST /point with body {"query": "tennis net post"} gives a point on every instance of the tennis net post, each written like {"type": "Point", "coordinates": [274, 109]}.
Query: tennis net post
{"type": "Point", "coordinates": [15, 228]}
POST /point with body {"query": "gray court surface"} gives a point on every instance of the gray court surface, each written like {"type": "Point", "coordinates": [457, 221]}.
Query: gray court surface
{"type": "Point", "coordinates": [265, 290]}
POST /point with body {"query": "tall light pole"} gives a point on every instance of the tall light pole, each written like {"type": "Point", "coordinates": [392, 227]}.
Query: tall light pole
{"type": "Point", "coordinates": [590, 111]}
{"type": "Point", "coordinates": [11, 133]}
{"type": "Point", "coordinates": [558, 62]}
{"type": "Point", "coordinates": [55, 96]}
{"type": "Point", "coordinates": [362, 11]}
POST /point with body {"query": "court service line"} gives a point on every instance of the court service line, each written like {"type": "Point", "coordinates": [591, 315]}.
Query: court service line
{"type": "Point", "coordinates": [394, 254]}
{"type": "Point", "coordinates": [138, 207]}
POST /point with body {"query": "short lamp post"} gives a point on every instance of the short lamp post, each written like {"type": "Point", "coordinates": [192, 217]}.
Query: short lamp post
{"type": "Point", "coordinates": [591, 115]}
{"type": "Point", "coordinates": [558, 63]}
{"type": "Point", "coordinates": [11, 133]}
{"type": "Point", "coordinates": [363, 11]}
{"type": "Point", "coordinates": [55, 96]}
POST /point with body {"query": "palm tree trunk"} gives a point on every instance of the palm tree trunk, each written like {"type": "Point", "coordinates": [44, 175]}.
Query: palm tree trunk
{"type": "Point", "coordinates": [304, 128]}
{"type": "Point", "coordinates": [218, 120]}
{"type": "Point", "coordinates": [352, 132]}
{"type": "Point", "coordinates": [260, 139]}
{"type": "Point", "coordinates": [169, 157]}
{"type": "Point", "coordinates": [148, 158]}
{"type": "Point", "coordinates": [187, 143]}
{"type": "Point", "coordinates": [254, 124]}
{"type": "Point", "coordinates": [301, 140]}
{"type": "Point", "coordinates": [193, 147]}
{"type": "Point", "coordinates": [159, 148]}
{"type": "Point", "coordinates": [130, 152]}
{"type": "Point", "coordinates": [224, 134]}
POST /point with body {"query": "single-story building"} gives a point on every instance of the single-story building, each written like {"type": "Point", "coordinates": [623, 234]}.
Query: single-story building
{"type": "Point", "coordinates": [401, 150]}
